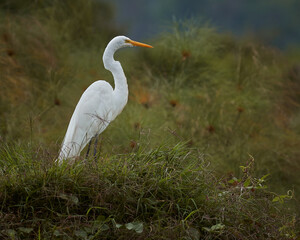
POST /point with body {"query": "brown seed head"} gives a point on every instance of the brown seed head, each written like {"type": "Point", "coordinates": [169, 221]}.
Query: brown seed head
{"type": "Point", "coordinates": [57, 101]}
{"type": "Point", "coordinates": [240, 109]}
{"type": "Point", "coordinates": [173, 102]}
{"type": "Point", "coordinates": [185, 55]}
{"type": "Point", "coordinates": [133, 144]}
{"type": "Point", "coordinates": [210, 128]}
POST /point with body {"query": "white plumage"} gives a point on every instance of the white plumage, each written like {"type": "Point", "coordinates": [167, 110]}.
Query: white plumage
{"type": "Point", "coordinates": [99, 104]}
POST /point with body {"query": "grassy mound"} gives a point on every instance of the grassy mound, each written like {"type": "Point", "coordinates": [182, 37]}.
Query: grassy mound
{"type": "Point", "coordinates": [167, 193]}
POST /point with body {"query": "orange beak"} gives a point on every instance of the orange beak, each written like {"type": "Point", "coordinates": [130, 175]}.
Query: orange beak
{"type": "Point", "coordinates": [138, 44]}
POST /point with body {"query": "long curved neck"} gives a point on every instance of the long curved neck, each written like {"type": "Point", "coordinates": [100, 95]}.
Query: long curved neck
{"type": "Point", "coordinates": [116, 69]}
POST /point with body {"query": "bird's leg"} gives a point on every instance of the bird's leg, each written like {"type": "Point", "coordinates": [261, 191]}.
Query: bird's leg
{"type": "Point", "coordinates": [95, 145]}
{"type": "Point", "coordinates": [88, 150]}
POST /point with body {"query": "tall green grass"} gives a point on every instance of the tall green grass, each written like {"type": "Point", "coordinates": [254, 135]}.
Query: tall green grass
{"type": "Point", "coordinates": [231, 98]}
{"type": "Point", "coordinates": [166, 193]}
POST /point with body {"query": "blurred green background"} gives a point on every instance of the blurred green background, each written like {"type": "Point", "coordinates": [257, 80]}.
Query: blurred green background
{"type": "Point", "coordinates": [224, 77]}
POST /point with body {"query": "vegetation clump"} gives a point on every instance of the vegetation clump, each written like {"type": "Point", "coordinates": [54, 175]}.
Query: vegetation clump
{"type": "Point", "coordinates": [167, 193]}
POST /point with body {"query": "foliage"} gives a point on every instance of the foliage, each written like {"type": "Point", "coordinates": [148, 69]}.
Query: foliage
{"type": "Point", "coordinates": [167, 193]}
{"type": "Point", "coordinates": [227, 97]}
{"type": "Point", "coordinates": [36, 41]}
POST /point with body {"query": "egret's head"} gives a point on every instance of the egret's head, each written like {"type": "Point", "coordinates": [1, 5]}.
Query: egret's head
{"type": "Point", "coordinates": [115, 44]}
{"type": "Point", "coordinates": [122, 41]}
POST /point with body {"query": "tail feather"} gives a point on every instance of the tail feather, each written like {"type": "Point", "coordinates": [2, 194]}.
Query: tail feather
{"type": "Point", "coordinates": [70, 147]}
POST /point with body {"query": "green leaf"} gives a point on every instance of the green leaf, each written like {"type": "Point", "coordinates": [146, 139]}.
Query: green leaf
{"type": "Point", "coordinates": [81, 234]}
{"type": "Point", "coordinates": [215, 228]}
{"type": "Point", "coordinates": [118, 225]}
{"type": "Point", "coordinates": [74, 199]}
{"type": "Point", "coordinates": [11, 232]}
{"type": "Point", "coordinates": [234, 179]}
{"type": "Point", "coordinates": [101, 218]}
{"type": "Point", "coordinates": [104, 227]}
{"type": "Point", "coordinates": [247, 182]}
{"type": "Point", "coordinates": [281, 198]}
{"type": "Point", "coordinates": [206, 229]}
{"type": "Point", "coordinates": [218, 226]}
{"type": "Point", "coordinates": [139, 228]}
{"type": "Point", "coordinates": [63, 196]}
{"type": "Point", "coordinates": [129, 226]}
{"type": "Point", "coordinates": [243, 168]}
{"type": "Point", "coordinates": [89, 230]}
{"type": "Point", "coordinates": [25, 230]}
{"type": "Point", "coordinates": [57, 233]}
{"type": "Point", "coordinates": [265, 176]}
{"type": "Point", "coordinates": [276, 199]}
{"type": "Point", "coordinates": [136, 226]}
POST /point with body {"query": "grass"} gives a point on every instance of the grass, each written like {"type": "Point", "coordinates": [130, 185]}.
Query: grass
{"type": "Point", "coordinates": [226, 99]}
{"type": "Point", "coordinates": [166, 193]}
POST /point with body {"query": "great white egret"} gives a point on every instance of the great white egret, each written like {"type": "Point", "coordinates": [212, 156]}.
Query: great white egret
{"type": "Point", "coordinates": [99, 104]}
